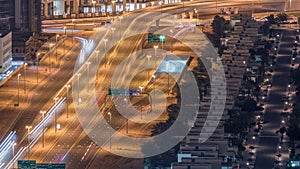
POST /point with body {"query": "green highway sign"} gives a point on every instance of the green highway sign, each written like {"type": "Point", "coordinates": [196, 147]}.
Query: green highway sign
{"type": "Point", "coordinates": [50, 166]}
{"type": "Point", "coordinates": [26, 164]}
{"type": "Point", "coordinates": [123, 92]}
{"type": "Point", "coordinates": [31, 164]}
{"type": "Point", "coordinates": [118, 92]}
{"type": "Point", "coordinates": [156, 38]}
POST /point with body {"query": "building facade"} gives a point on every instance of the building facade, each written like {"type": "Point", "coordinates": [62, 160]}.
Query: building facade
{"type": "Point", "coordinates": [20, 15]}
{"type": "Point", "coordinates": [5, 51]}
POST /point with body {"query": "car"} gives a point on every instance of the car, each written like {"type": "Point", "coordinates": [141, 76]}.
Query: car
{"type": "Point", "coordinates": [179, 26]}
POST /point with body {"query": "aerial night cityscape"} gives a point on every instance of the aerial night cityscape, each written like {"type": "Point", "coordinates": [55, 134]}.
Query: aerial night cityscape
{"type": "Point", "coordinates": [149, 84]}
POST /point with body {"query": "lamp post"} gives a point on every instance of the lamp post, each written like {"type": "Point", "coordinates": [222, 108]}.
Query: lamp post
{"type": "Point", "coordinates": [105, 41]}
{"type": "Point", "coordinates": [13, 144]}
{"type": "Point", "coordinates": [153, 76]}
{"type": "Point", "coordinates": [109, 130]}
{"type": "Point", "coordinates": [43, 130]}
{"type": "Point", "coordinates": [65, 28]}
{"type": "Point", "coordinates": [25, 64]}
{"type": "Point", "coordinates": [50, 65]}
{"type": "Point", "coordinates": [67, 87]}
{"type": "Point", "coordinates": [55, 118]}
{"type": "Point", "coordinates": [155, 51]}
{"type": "Point", "coordinates": [19, 88]}
{"type": "Point", "coordinates": [148, 57]}
{"type": "Point", "coordinates": [78, 78]}
{"type": "Point", "coordinates": [113, 31]}
{"type": "Point", "coordinates": [73, 20]}
{"type": "Point", "coordinates": [56, 37]}
{"type": "Point", "coordinates": [120, 17]}
{"type": "Point", "coordinates": [97, 55]}
{"type": "Point", "coordinates": [28, 141]}
{"type": "Point", "coordinates": [88, 78]}
{"type": "Point", "coordinates": [168, 68]}
{"type": "Point", "coordinates": [37, 67]}
{"type": "Point", "coordinates": [127, 121]}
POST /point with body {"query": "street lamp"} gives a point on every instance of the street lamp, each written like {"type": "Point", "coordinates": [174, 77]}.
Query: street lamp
{"type": "Point", "coordinates": [88, 69]}
{"type": "Point", "coordinates": [155, 50]}
{"type": "Point", "coordinates": [56, 37]}
{"type": "Point", "coordinates": [65, 29]}
{"type": "Point", "coordinates": [73, 20]}
{"type": "Point", "coordinates": [67, 87]}
{"type": "Point", "coordinates": [13, 144]}
{"type": "Point", "coordinates": [55, 118]}
{"type": "Point", "coordinates": [153, 76]}
{"type": "Point", "coordinates": [78, 78]}
{"type": "Point", "coordinates": [113, 31]}
{"type": "Point", "coordinates": [148, 57]}
{"type": "Point", "coordinates": [97, 55]}
{"type": "Point", "coordinates": [50, 65]}
{"type": "Point", "coordinates": [19, 88]}
{"type": "Point", "coordinates": [37, 67]}
{"type": "Point", "coordinates": [25, 64]}
{"type": "Point", "coordinates": [127, 121]}
{"type": "Point", "coordinates": [120, 17]}
{"type": "Point", "coordinates": [28, 135]}
{"type": "Point", "coordinates": [109, 130]}
{"type": "Point", "coordinates": [141, 88]}
{"type": "Point", "coordinates": [105, 41]}
{"type": "Point", "coordinates": [43, 116]}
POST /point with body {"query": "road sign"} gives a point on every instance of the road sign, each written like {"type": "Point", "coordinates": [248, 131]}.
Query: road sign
{"type": "Point", "coordinates": [123, 92]}
{"type": "Point", "coordinates": [156, 38]}
{"type": "Point", "coordinates": [26, 164]}
{"type": "Point", "coordinates": [50, 166]}
{"type": "Point", "coordinates": [118, 92]}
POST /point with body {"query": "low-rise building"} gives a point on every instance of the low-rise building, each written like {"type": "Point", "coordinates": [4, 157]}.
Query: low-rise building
{"type": "Point", "coordinates": [5, 51]}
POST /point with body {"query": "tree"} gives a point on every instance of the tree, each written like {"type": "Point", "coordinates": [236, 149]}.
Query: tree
{"type": "Point", "coordinates": [219, 25]}
{"type": "Point", "coordinates": [233, 125]}
{"type": "Point", "coordinates": [250, 106]}
{"type": "Point", "coordinates": [282, 130]}
{"type": "Point", "coordinates": [271, 19]}
{"type": "Point", "coordinates": [282, 17]}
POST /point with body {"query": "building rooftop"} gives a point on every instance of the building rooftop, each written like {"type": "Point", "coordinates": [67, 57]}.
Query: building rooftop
{"type": "Point", "coordinates": [4, 33]}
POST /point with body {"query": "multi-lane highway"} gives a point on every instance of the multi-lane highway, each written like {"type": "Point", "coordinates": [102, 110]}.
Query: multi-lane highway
{"type": "Point", "coordinates": [71, 144]}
